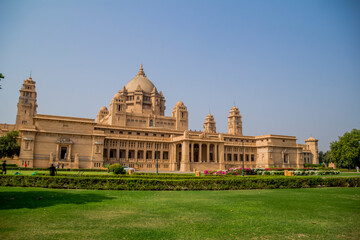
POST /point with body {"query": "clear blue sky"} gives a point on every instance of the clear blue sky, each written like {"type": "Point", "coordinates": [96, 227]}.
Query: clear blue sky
{"type": "Point", "coordinates": [291, 67]}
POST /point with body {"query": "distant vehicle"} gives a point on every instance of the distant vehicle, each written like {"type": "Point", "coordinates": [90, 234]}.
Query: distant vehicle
{"type": "Point", "coordinates": [126, 168]}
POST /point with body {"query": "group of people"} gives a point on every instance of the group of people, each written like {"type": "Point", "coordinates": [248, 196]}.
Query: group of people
{"type": "Point", "coordinates": [52, 168]}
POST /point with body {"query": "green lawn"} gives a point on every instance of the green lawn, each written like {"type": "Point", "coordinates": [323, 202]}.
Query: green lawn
{"type": "Point", "coordinates": [318, 213]}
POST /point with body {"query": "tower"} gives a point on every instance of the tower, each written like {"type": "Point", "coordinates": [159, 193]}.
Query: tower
{"type": "Point", "coordinates": [180, 113]}
{"type": "Point", "coordinates": [235, 122]}
{"type": "Point", "coordinates": [209, 124]}
{"type": "Point", "coordinates": [312, 144]}
{"type": "Point", "coordinates": [27, 106]}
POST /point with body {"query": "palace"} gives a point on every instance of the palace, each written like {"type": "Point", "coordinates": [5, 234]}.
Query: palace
{"type": "Point", "coordinates": [134, 131]}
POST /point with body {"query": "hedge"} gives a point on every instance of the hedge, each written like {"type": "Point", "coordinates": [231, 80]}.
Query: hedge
{"type": "Point", "coordinates": [176, 184]}
{"type": "Point", "coordinates": [58, 169]}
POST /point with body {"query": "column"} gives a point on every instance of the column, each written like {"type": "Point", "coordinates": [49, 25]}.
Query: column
{"type": "Point", "coordinates": [57, 152]}
{"type": "Point", "coordinates": [161, 152]}
{"type": "Point", "coordinates": [127, 150]}
{"type": "Point", "coordinates": [136, 151]}
{"type": "Point", "coordinates": [221, 156]}
{"type": "Point", "coordinates": [185, 164]}
{"type": "Point", "coordinates": [200, 152]}
{"type": "Point", "coordinates": [208, 152]}
{"type": "Point", "coordinates": [153, 151]}
{"type": "Point", "coordinates": [216, 153]}
{"type": "Point", "coordinates": [69, 155]}
{"type": "Point", "coordinates": [192, 152]}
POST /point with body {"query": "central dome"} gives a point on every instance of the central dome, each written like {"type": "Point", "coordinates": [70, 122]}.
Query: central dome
{"type": "Point", "coordinates": [140, 80]}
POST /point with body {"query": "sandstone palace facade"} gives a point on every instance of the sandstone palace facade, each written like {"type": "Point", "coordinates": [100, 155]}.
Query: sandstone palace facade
{"type": "Point", "coordinates": [134, 131]}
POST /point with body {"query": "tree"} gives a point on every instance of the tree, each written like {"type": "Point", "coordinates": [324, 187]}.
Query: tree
{"type": "Point", "coordinates": [321, 156]}
{"type": "Point", "coordinates": [346, 151]}
{"type": "Point", "coordinates": [9, 146]}
{"type": "Point", "coordinates": [327, 157]}
{"type": "Point", "coordinates": [1, 77]}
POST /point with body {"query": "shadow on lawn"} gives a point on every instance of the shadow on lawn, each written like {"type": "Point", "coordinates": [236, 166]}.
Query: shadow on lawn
{"type": "Point", "coordinates": [47, 198]}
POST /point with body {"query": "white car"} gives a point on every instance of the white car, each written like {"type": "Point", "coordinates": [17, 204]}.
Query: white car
{"type": "Point", "coordinates": [127, 169]}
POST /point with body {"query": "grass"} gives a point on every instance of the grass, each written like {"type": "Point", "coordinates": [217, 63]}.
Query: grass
{"type": "Point", "coordinates": [320, 213]}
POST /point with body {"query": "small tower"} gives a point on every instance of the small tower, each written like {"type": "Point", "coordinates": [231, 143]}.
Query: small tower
{"type": "Point", "coordinates": [102, 114]}
{"type": "Point", "coordinates": [312, 145]}
{"type": "Point", "coordinates": [209, 124]}
{"type": "Point", "coordinates": [117, 109]}
{"type": "Point", "coordinates": [27, 105]}
{"type": "Point", "coordinates": [180, 113]}
{"type": "Point", "coordinates": [234, 122]}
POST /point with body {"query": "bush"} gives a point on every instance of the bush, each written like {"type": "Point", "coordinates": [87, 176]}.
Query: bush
{"type": "Point", "coordinates": [312, 165]}
{"type": "Point", "coordinates": [117, 169]}
{"type": "Point", "coordinates": [222, 183]}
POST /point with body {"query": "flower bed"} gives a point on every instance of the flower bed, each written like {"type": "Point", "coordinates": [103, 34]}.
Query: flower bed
{"type": "Point", "coordinates": [270, 171]}
{"type": "Point", "coordinates": [232, 171]}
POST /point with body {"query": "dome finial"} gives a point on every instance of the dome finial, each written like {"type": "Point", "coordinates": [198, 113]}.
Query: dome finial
{"type": "Point", "coordinates": [141, 71]}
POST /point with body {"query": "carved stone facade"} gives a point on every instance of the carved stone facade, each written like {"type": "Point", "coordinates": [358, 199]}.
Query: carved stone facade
{"type": "Point", "coordinates": [135, 132]}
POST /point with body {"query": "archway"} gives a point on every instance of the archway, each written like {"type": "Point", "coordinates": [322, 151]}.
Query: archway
{"type": "Point", "coordinates": [204, 153]}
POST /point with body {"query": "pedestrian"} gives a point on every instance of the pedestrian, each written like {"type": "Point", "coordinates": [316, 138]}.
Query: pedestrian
{"type": "Point", "coordinates": [25, 164]}
{"type": "Point", "coordinates": [62, 166]}
{"type": "Point", "coordinates": [58, 165]}
{"type": "Point", "coordinates": [52, 170]}
{"type": "Point", "coordinates": [4, 167]}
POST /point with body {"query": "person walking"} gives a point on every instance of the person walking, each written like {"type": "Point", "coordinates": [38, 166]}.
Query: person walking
{"type": "Point", "coordinates": [58, 165]}
{"type": "Point", "coordinates": [52, 170]}
{"type": "Point", "coordinates": [25, 164]}
{"type": "Point", "coordinates": [4, 167]}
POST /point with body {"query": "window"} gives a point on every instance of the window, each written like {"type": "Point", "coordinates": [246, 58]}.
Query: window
{"type": "Point", "coordinates": [247, 157]}
{"type": "Point", "coordinates": [162, 135]}
{"type": "Point", "coordinates": [27, 145]}
{"type": "Point", "coordinates": [286, 158]}
{"type": "Point", "coordinates": [154, 134]}
{"type": "Point", "coordinates": [129, 133]}
{"type": "Point", "coordinates": [111, 131]}
{"type": "Point", "coordinates": [24, 122]}
{"type": "Point", "coordinates": [63, 153]}
{"type": "Point", "coordinates": [252, 157]}
{"type": "Point", "coordinates": [151, 123]}
{"type": "Point", "coordinates": [138, 133]}
{"type": "Point", "coordinates": [146, 134]}
{"type": "Point", "coordinates": [120, 132]}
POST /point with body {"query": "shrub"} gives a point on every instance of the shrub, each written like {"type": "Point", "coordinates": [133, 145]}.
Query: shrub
{"type": "Point", "coordinates": [117, 169]}
{"type": "Point", "coordinates": [222, 183]}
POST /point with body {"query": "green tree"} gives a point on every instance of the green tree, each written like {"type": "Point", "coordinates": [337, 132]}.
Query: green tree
{"type": "Point", "coordinates": [1, 77]}
{"type": "Point", "coordinates": [321, 156]}
{"type": "Point", "coordinates": [9, 146]}
{"type": "Point", "coordinates": [327, 157]}
{"type": "Point", "coordinates": [346, 151]}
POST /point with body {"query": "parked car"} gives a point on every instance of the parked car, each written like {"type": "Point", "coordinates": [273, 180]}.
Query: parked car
{"type": "Point", "coordinates": [128, 168]}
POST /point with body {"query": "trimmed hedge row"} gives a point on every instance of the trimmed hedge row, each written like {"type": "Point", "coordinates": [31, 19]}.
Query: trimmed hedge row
{"type": "Point", "coordinates": [178, 184]}
{"type": "Point", "coordinates": [58, 169]}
